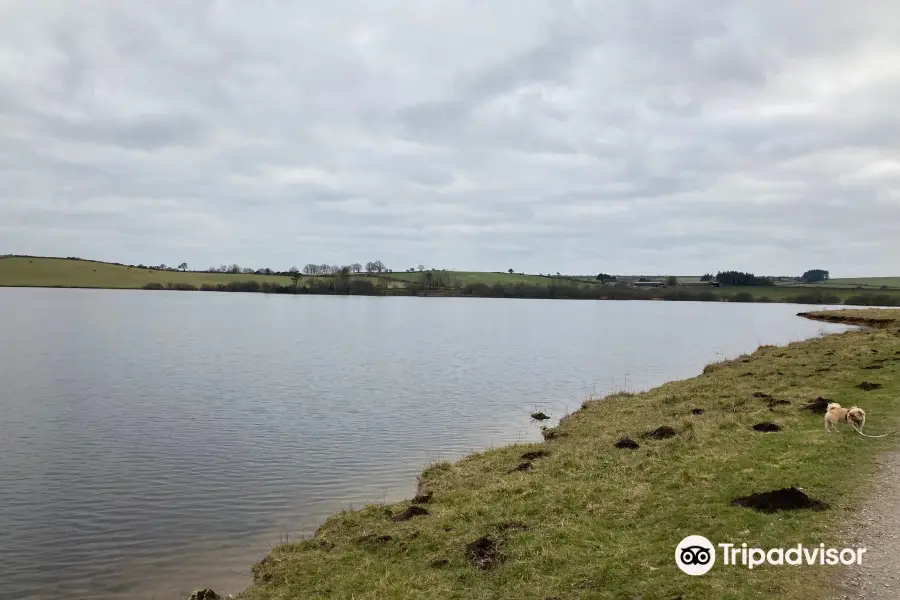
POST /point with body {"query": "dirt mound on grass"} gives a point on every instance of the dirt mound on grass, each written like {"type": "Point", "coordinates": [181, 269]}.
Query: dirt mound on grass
{"type": "Point", "coordinates": [817, 406]}
{"type": "Point", "coordinates": [660, 433]}
{"type": "Point", "coordinates": [868, 386]}
{"type": "Point", "coordinates": [485, 553]}
{"type": "Point", "coordinates": [784, 499]}
{"type": "Point", "coordinates": [627, 443]}
{"type": "Point", "coordinates": [766, 427]}
{"type": "Point", "coordinates": [696, 411]}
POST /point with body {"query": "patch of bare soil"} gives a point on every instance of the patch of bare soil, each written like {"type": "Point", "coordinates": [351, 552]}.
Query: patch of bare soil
{"type": "Point", "coordinates": [485, 553]}
{"type": "Point", "coordinates": [817, 406]}
{"type": "Point", "coordinates": [868, 386]}
{"type": "Point", "coordinates": [627, 443]}
{"type": "Point", "coordinates": [784, 499]}
{"type": "Point", "coordinates": [766, 427]}
{"type": "Point", "coordinates": [660, 433]}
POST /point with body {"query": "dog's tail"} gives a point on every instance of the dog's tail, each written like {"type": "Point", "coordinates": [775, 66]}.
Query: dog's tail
{"type": "Point", "coordinates": [852, 422]}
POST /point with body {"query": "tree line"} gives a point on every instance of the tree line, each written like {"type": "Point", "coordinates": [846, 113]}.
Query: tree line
{"type": "Point", "coordinates": [438, 282]}
{"type": "Point", "coordinates": [372, 267]}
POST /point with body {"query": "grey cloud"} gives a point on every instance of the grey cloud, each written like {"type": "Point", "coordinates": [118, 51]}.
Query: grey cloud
{"type": "Point", "coordinates": [648, 136]}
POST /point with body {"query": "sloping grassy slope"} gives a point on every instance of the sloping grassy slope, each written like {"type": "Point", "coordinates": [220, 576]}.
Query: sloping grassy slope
{"type": "Point", "coordinates": [61, 272]}
{"type": "Point", "coordinates": [590, 521]}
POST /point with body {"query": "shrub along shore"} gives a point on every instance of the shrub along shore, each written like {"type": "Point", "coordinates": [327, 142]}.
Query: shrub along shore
{"type": "Point", "coordinates": [563, 291]}
{"type": "Point", "coordinates": [596, 510]}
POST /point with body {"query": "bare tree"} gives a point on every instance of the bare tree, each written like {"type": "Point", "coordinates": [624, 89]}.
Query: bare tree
{"type": "Point", "coordinates": [421, 268]}
{"type": "Point", "coordinates": [311, 269]}
{"type": "Point", "coordinates": [356, 267]}
{"type": "Point", "coordinates": [183, 266]}
{"type": "Point", "coordinates": [370, 267]}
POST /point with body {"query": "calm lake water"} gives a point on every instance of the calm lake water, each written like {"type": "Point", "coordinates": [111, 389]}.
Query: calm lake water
{"type": "Point", "coordinates": [156, 442]}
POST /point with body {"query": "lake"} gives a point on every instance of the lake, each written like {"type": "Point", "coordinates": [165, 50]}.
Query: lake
{"type": "Point", "coordinates": [152, 443]}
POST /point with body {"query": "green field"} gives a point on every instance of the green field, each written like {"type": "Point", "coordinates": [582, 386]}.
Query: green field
{"type": "Point", "coordinates": [62, 272]}
{"type": "Point", "coordinates": [590, 521]}
{"type": "Point", "coordinates": [864, 283]}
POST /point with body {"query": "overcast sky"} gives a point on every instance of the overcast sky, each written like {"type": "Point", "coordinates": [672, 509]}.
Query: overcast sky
{"type": "Point", "coordinates": [660, 136]}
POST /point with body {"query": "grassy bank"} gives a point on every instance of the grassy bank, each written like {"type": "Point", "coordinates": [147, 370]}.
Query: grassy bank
{"type": "Point", "coordinates": [59, 272]}
{"type": "Point", "coordinates": [588, 520]}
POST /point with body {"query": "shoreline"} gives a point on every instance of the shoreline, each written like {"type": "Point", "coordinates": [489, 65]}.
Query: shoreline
{"type": "Point", "coordinates": [861, 320]}
{"type": "Point", "coordinates": [676, 295]}
{"type": "Point", "coordinates": [416, 554]}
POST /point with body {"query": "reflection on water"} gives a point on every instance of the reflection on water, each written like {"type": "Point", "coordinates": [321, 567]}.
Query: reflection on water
{"type": "Point", "coordinates": [156, 442]}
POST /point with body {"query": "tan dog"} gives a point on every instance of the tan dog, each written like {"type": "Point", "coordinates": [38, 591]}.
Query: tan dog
{"type": "Point", "coordinates": [853, 416]}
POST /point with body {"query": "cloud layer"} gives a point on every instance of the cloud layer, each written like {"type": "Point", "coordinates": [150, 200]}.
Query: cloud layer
{"type": "Point", "coordinates": [631, 137]}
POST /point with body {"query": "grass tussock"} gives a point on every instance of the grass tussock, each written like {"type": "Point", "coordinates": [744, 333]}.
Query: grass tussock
{"type": "Point", "coordinates": [591, 520]}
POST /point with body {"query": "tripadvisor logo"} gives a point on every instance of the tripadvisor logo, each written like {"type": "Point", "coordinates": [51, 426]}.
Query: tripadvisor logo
{"type": "Point", "coordinates": [696, 555]}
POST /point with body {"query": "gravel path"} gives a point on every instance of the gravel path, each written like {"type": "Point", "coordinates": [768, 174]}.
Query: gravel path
{"type": "Point", "coordinates": [877, 528]}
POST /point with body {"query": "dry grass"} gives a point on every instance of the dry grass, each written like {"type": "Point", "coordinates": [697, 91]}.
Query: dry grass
{"type": "Point", "coordinates": [590, 521]}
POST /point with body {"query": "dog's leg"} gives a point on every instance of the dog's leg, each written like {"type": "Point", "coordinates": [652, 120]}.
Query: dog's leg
{"type": "Point", "coordinates": [827, 425]}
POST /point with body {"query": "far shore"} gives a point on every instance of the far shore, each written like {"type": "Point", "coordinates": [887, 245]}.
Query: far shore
{"type": "Point", "coordinates": [24, 271]}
